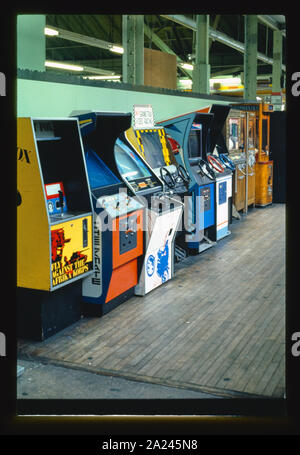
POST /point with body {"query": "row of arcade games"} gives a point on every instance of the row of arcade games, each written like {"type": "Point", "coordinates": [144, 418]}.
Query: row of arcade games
{"type": "Point", "coordinates": [105, 209]}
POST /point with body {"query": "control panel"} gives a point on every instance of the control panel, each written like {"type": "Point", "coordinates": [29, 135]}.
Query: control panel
{"type": "Point", "coordinates": [145, 184]}
{"type": "Point", "coordinates": [238, 158]}
{"type": "Point", "coordinates": [56, 199]}
{"type": "Point", "coordinates": [128, 233]}
{"type": "Point", "coordinates": [118, 204]}
{"type": "Point", "coordinates": [205, 192]}
{"type": "Point", "coordinates": [199, 175]}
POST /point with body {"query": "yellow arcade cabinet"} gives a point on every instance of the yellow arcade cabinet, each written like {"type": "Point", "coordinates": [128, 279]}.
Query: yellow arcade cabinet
{"type": "Point", "coordinates": [54, 225]}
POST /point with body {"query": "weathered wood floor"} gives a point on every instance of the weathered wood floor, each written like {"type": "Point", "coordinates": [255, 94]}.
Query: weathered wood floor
{"type": "Point", "coordinates": [218, 326]}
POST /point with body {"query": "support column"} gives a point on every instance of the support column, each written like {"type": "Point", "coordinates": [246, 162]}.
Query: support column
{"type": "Point", "coordinates": [133, 43]}
{"type": "Point", "coordinates": [201, 72]}
{"type": "Point", "coordinates": [277, 61]}
{"type": "Point", "coordinates": [250, 57]}
{"type": "Point", "coordinates": [31, 42]}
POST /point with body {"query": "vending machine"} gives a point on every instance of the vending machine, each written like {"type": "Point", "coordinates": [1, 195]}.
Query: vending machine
{"type": "Point", "coordinates": [54, 225]}
{"type": "Point", "coordinates": [162, 212]}
{"type": "Point", "coordinates": [118, 222]}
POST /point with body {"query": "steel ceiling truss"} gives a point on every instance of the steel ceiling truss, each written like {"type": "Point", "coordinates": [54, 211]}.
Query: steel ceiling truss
{"type": "Point", "coordinates": [94, 35]}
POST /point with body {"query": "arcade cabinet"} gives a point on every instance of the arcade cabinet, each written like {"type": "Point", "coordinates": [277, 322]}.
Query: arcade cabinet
{"type": "Point", "coordinates": [234, 138]}
{"type": "Point", "coordinates": [188, 135]}
{"type": "Point", "coordinates": [54, 225]}
{"type": "Point", "coordinates": [222, 165]}
{"type": "Point", "coordinates": [162, 213]}
{"type": "Point", "coordinates": [263, 164]}
{"type": "Point", "coordinates": [118, 220]}
{"type": "Point", "coordinates": [197, 133]}
{"type": "Point", "coordinates": [158, 151]}
{"type": "Point", "coordinates": [240, 135]}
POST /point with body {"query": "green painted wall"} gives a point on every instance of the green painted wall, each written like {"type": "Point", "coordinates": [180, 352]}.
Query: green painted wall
{"type": "Point", "coordinates": [31, 46]}
{"type": "Point", "coordinates": [51, 99]}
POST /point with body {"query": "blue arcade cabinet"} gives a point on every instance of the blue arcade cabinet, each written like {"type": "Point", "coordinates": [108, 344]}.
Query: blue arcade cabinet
{"type": "Point", "coordinates": [216, 155]}
{"type": "Point", "coordinates": [190, 133]}
{"type": "Point", "coordinates": [198, 134]}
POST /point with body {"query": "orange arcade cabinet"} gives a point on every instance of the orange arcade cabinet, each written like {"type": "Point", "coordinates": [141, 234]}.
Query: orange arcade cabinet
{"type": "Point", "coordinates": [118, 218]}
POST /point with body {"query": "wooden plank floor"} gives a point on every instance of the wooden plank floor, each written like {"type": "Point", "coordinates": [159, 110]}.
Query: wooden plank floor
{"type": "Point", "coordinates": [218, 326]}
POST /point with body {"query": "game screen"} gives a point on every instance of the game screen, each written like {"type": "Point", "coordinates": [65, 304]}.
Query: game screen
{"type": "Point", "coordinates": [130, 165]}
{"type": "Point", "coordinates": [99, 174]}
{"type": "Point", "coordinates": [153, 149]}
{"type": "Point", "coordinates": [195, 141]}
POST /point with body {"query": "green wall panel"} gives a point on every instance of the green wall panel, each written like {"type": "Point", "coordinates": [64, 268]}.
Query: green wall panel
{"type": "Point", "coordinates": [31, 47]}
{"type": "Point", "coordinates": [50, 99]}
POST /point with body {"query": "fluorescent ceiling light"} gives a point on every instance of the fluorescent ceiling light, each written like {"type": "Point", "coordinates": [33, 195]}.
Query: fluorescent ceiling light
{"type": "Point", "coordinates": [50, 31]}
{"type": "Point", "coordinates": [117, 49]}
{"type": "Point", "coordinates": [226, 80]}
{"type": "Point", "coordinates": [187, 66]}
{"type": "Point", "coordinates": [64, 66]}
{"type": "Point", "coordinates": [102, 77]}
{"type": "Point", "coordinates": [185, 81]}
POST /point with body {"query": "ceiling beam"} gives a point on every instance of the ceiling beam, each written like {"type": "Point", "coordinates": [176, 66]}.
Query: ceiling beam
{"type": "Point", "coordinates": [271, 22]}
{"type": "Point", "coordinates": [215, 26]}
{"type": "Point", "coordinates": [218, 36]}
